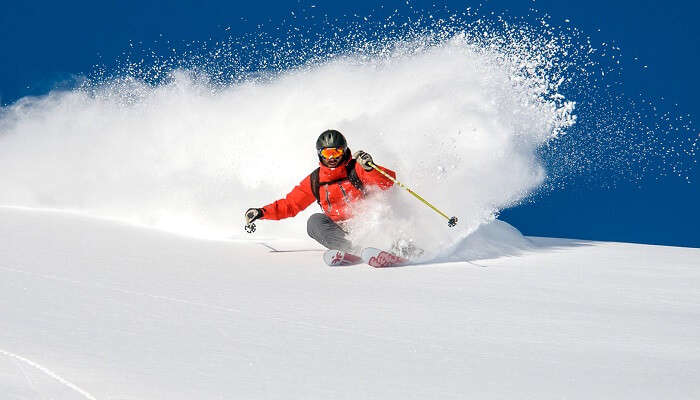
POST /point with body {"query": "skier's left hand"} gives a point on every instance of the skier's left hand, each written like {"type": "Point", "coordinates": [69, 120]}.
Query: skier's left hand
{"type": "Point", "coordinates": [364, 160]}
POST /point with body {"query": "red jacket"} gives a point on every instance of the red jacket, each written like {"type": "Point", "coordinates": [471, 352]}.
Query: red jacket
{"type": "Point", "coordinates": [335, 198]}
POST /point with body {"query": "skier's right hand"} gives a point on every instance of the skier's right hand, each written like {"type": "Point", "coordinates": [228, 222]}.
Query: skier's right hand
{"type": "Point", "coordinates": [252, 214]}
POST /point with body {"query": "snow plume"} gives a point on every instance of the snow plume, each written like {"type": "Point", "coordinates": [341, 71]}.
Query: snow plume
{"type": "Point", "coordinates": [458, 110]}
{"type": "Point", "coordinates": [450, 119]}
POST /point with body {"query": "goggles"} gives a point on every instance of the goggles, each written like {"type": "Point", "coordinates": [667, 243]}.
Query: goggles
{"type": "Point", "coordinates": [331, 152]}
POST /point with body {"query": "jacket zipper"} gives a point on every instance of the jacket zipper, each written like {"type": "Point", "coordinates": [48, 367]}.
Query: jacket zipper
{"type": "Point", "coordinates": [328, 199]}
{"type": "Point", "coordinates": [345, 195]}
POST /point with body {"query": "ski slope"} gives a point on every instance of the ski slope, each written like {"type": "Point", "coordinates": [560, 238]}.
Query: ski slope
{"type": "Point", "coordinates": [95, 309]}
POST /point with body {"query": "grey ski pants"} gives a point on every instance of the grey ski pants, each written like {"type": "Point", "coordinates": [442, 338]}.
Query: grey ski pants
{"type": "Point", "coordinates": [328, 233]}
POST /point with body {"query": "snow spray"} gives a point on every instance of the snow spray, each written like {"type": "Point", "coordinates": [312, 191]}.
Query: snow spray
{"type": "Point", "coordinates": [460, 107]}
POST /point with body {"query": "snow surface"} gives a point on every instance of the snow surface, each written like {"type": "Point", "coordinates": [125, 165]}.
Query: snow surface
{"type": "Point", "coordinates": [98, 309]}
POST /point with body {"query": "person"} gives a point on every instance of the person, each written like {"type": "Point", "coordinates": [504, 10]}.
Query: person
{"type": "Point", "coordinates": [340, 180]}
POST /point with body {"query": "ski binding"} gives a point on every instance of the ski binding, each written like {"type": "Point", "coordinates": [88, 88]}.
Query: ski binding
{"type": "Point", "coordinates": [381, 259]}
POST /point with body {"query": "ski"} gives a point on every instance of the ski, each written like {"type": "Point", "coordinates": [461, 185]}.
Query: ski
{"type": "Point", "coordinates": [371, 256]}
{"type": "Point", "coordinates": [339, 258]}
{"type": "Point", "coordinates": [381, 259]}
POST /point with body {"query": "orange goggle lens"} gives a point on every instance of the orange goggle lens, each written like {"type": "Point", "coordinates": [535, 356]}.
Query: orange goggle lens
{"type": "Point", "coordinates": [332, 152]}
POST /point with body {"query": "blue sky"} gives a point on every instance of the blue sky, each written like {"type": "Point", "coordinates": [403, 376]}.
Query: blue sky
{"type": "Point", "coordinates": [46, 44]}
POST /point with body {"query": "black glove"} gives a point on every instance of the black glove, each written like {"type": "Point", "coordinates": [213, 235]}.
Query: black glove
{"type": "Point", "coordinates": [252, 214]}
{"type": "Point", "coordinates": [364, 160]}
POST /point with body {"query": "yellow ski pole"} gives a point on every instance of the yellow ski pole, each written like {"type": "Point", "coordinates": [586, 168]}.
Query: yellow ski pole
{"type": "Point", "coordinates": [450, 221]}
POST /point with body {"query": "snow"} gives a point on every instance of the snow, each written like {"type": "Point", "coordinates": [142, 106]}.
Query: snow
{"type": "Point", "coordinates": [96, 309]}
{"type": "Point", "coordinates": [458, 122]}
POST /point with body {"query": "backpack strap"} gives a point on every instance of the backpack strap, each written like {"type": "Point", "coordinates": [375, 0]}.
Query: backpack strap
{"type": "Point", "coordinates": [352, 176]}
{"type": "Point", "coordinates": [315, 184]}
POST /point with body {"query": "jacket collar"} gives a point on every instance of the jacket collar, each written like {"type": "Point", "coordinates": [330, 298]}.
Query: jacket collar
{"type": "Point", "coordinates": [327, 174]}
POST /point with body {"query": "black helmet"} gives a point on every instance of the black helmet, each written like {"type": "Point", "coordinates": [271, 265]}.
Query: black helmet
{"type": "Point", "coordinates": [331, 138]}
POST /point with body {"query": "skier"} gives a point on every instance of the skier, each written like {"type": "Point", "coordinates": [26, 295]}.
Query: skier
{"type": "Point", "coordinates": [340, 180]}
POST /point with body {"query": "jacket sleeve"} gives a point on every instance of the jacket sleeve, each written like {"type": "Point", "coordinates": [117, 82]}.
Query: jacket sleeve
{"type": "Point", "coordinates": [374, 178]}
{"type": "Point", "coordinates": [297, 200]}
